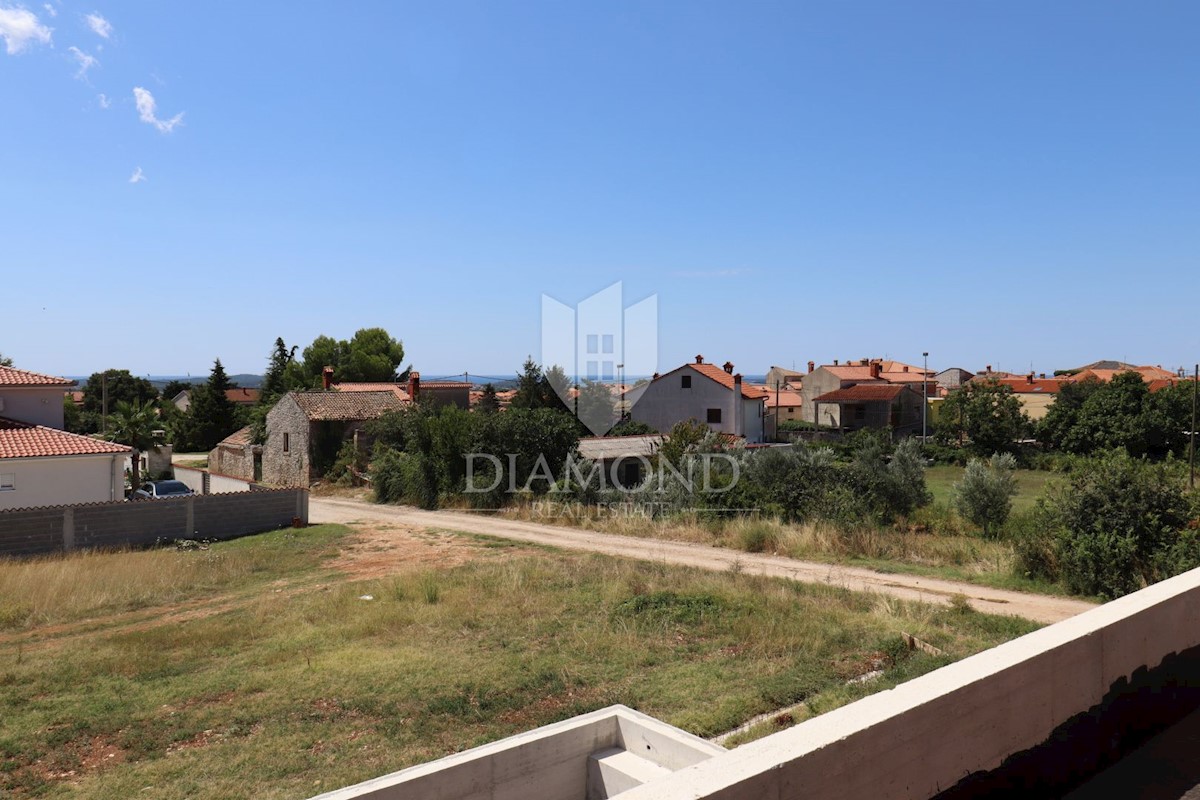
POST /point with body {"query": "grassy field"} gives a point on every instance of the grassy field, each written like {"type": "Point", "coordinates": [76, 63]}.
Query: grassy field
{"type": "Point", "coordinates": [255, 669]}
{"type": "Point", "coordinates": [1030, 485]}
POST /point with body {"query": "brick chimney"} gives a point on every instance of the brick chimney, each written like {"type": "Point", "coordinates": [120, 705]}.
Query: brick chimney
{"type": "Point", "coordinates": [1029, 378]}
{"type": "Point", "coordinates": [699, 359]}
{"type": "Point", "coordinates": [327, 378]}
{"type": "Point", "coordinates": [876, 369]}
{"type": "Point", "coordinates": [414, 385]}
{"type": "Point", "coordinates": [811, 366]}
{"type": "Point", "coordinates": [906, 367]}
{"type": "Point", "coordinates": [864, 361]}
{"type": "Point", "coordinates": [728, 367]}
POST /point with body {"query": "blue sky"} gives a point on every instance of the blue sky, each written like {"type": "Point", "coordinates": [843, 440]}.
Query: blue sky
{"type": "Point", "coordinates": [1005, 183]}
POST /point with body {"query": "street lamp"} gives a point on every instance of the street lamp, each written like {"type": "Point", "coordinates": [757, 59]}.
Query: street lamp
{"type": "Point", "coordinates": [924, 398]}
{"type": "Point", "coordinates": [621, 391]}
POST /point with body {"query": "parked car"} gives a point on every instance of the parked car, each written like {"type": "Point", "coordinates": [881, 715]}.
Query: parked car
{"type": "Point", "coordinates": [161, 490]}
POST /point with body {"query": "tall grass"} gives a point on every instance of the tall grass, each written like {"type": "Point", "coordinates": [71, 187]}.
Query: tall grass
{"type": "Point", "coordinates": [285, 690]}
{"type": "Point", "coordinates": [59, 588]}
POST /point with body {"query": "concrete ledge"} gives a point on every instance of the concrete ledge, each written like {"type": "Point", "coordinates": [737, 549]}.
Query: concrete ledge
{"type": "Point", "coordinates": [926, 736]}
{"type": "Point", "coordinates": [550, 763]}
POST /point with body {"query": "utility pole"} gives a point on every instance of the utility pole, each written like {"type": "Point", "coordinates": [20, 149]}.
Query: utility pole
{"type": "Point", "coordinates": [924, 399]}
{"type": "Point", "coordinates": [621, 392]}
{"type": "Point", "coordinates": [104, 401]}
{"type": "Point", "coordinates": [1192, 441]}
{"type": "Point", "coordinates": [777, 409]}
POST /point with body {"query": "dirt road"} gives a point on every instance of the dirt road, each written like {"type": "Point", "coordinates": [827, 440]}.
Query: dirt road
{"type": "Point", "coordinates": [1042, 608]}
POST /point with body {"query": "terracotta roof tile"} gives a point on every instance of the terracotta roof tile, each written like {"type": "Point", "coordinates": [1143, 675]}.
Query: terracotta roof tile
{"type": "Point", "coordinates": [239, 438]}
{"type": "Point", "coordinates": [243, 396]}
{"type": "Point", "coordinates": [395, 388]}
{"type": "Point", "coordinates": [862, 393]}
{"type": "Point", "coordinates": [787, 398]}
{"type": "Point", "coordinates": [346, 406]}
{"type": "Point", "coordinates": [858, 373]}
{"type": "Point", "coordinates": [10, 376]}
{"type": "Point", "coordinates": [1023, 385]}
{"type": "Point", "coordinates": [725, 379]}
{"type": "Point", "coordinates": [445, 385]}
{"type": "Point", "coordinates": [22, 440]}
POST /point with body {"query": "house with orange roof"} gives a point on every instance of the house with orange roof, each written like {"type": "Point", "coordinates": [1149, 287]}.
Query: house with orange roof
{"type": "Point", "coordinates": [1036, 393]}
{"type": "Point", "coordinates": [714, 395]}
{"type": "Point", "coordinates": [873, 404]}
{"type": "Point", "coordinates": [43, 465]}
{"type": "Point", "coordinates": [32, 397]}
{"type": "Point", "coordinates": [457, 393]}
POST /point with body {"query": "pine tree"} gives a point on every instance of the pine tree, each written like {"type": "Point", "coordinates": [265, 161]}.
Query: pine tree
{"type": "Point", "coordinates": [488, 404]}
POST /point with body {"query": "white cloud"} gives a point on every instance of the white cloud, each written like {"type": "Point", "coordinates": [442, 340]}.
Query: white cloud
{"type": "Point", "coordinates": [19, 27]}
{"type": "Point", "coordinates": [51, 10]}
{"type": "Point", "coordinates": [85, 60]}
{"type": "Point", "coordinates": [146, 111]}
{"type": "Point", "coordinates": [137, 176]}
{"type": "Point", "coordinates": [99, 25]}
{"type": "Point", "coordinates": [103, 100]}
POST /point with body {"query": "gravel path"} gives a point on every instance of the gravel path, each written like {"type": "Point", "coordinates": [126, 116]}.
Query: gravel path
{"type": "Point", "coordinates": [1041, 608]}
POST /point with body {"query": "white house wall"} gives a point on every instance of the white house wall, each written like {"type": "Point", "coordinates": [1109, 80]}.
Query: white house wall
{"type": "Point", "coordinates": [37, 405]}
{"type": "Point", "coordinates": [62, 480]}
{"type": "Point", "coordinates": [664, 403]}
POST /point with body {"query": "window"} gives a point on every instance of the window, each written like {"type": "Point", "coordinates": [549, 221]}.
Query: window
{"type": "Point", "coordinates": [714, 416]}
{"type": "Point", "coordinates": [791, 410]}
{"type": "Point", "coordinates": [860, 412]}
{"type": "Point", "coordinates": [685, 382]}
{"type": "Point", "coordinates": [286, 443]}
{"type": "Point", "coordinates": [608, 342]}
{"type": "Point", "coordinates": [607, 371]}
{"type": "Point", "coordinates": [8, 482]}
{"type": "Point", "coordinates": [593, 345]}
{"type": "Point", "coordinates": [593, 370]}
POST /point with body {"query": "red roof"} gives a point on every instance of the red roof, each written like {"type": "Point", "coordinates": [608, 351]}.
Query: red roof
{"type": "Point", "coordinates": [19, 377]}
{"type": "Point", "coordinates": [243, 396]}
{"type": "Point", "coordinates": [858, 373]}
{"type": "Point", "coordinates": [862, 393]}
{"type": "Point", "coordinates": [22, 440]}
{"type": "Point", "coordinates": [725, 379]}
{"type": "Point", "coordinates": [395, 388]}
{"type": "Point", "coordinates": [444, 385]}
{"type": "Point", "coordinates": [1026, 385]}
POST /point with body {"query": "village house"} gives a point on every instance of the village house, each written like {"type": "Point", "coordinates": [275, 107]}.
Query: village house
{"type": "Point", "coordinates": [238, 396]}
{"type": "Point", "coordinates": [305, 430]}
{"type": "Point", "coordinates": [43, 465]}
{"type": "Point", "coordinates": [706, 393]}
{"type": "Point", "coordinates": [831, 395]}
{"type": "Point", "coordinates": [456, 393]}
{"type": "Point", "coordinates": [1036, 393]}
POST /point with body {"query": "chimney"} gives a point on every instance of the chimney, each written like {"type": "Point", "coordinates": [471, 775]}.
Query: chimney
{"type": "Point", "coordinates": [989, 369]}
{"type": "Point", "coordinates": [699, 359]}
{"type": "Point", "coordinates": [1042, 376]}
{"type": "Point", "coordinates": [835, 362]}
{"type": "Point", "coordinates": [864, 361]}
{"type": "Point", "coordinates": [327, 378]}
{"type": "Point", "coordinates": [1029, 378]}
{"type": "Point", "coordinates": [728, 367]}
{"type": "Point", "coordinates": [654, 377]}
{"type": "Point", "coordinates": [414, 385]}
{"type": "Point", "coordinates": [876, 369]}
{"type": "Point", "coordinates": [811, 366]}
{"type": "Point", "coordinates": [739, 407]}
{"type": "Point", "coordinates": [906, 367]}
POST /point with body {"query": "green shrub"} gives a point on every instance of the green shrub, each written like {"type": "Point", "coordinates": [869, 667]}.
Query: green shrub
{"type": "Point", "coordinates": [758, 537]}
{"type": "Point", "coordinates": [1116, 525]}
{"type": "Point", "coordinates": [984, 495]}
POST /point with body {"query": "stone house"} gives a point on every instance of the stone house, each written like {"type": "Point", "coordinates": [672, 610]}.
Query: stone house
{"type": "Point", "coordinates": [706, 393]}
{"type": "Point", "coordinates": [237, 456]}
{"type": "Point", "coordinates": [873, 404]}
{"type": "Point", "coordinates": [305, 430]}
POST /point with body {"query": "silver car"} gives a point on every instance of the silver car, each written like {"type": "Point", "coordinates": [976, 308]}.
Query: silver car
{"type": "Point", "coordinates": [161, 490]}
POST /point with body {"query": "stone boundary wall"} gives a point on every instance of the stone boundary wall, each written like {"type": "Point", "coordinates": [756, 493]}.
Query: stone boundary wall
{"type": "Point", "coordinates": [30, 531]}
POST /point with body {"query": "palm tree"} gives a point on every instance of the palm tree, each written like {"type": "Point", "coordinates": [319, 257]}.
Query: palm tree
{"type": "Point", "coordinates": [133, 425]}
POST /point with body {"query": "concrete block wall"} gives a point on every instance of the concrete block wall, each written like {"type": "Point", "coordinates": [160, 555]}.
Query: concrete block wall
{"type": "Point", "coordinates": [92, 525]}
{"type": "Point", "coordinates": [29, 531]}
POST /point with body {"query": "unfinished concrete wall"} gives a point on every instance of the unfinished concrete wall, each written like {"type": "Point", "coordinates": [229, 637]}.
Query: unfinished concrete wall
{"type": "Point", "coordinates": [217, 516]}
{"type": "Point", "coordinates": [999, 718]}
{"type": "Point", "coordinates": [578, 759]}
